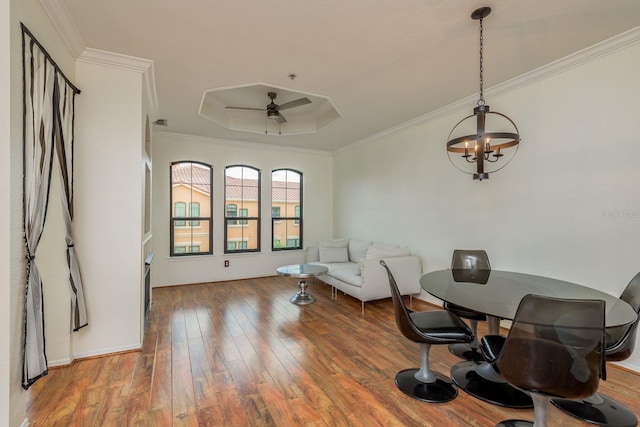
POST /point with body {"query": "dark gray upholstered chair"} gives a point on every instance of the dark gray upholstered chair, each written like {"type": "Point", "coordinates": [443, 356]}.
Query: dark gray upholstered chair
{"type": "Point", "coordinates": [600, 409]}
{"type": "Point", "coordinates": [555, 348]}
{"type": "Point", "coordinates": [426, 328]}
{"type": "Point", "coordinates": [468, 266]}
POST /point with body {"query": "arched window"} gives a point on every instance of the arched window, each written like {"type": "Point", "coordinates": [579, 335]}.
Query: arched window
{"type": "Point", "coordinates": [191, 232]}
{"type": "Point", "coordinates": [286, 209]}
{"type": "Point", "coordinates": [242, 209]}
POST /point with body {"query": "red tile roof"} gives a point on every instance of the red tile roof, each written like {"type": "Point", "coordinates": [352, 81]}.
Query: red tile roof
{"type": "Point", "coordinates": [237, 188]}
{"type": "Point", "coordinates": [192, 173]}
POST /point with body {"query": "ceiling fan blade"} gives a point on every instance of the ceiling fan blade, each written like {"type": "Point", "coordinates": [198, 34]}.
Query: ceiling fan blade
{"type": "Point", "coordinates": [246, 108]}
{"type": "Point", "coordinates": [281, 119]}
{"type": "Point", "coordinates": [296, 103]}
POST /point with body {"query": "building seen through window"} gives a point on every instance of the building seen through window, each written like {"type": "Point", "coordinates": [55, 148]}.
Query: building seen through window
{"type": "Point", "coordinates": [191, 230]}
{"type": "Point", "coordinates": [191, 209]}
{"type": "Point", "coordinates": [242, 209]}
{"type": "Point", "coordinates": [286, 209]}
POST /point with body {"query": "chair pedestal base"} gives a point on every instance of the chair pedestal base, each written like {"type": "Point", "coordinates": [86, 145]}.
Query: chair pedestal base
{"type": "Point", "coordinates": [441, 390]}
{"type": "Point", "coordinates": [598, 410]}
{"type": "Point", "coordinates": [514, 423]}
{"type": "Point", "coordinates": [466, 351]}
{"type": "Point", "coordinates": [465, 375]}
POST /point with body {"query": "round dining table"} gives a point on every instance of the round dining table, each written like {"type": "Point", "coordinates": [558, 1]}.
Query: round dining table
{"type": "Point", "coordinates": [497, 294]}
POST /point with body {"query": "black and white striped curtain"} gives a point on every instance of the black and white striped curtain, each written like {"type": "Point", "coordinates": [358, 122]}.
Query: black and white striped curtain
{"type": "Point", "coordinates": [48, 123]}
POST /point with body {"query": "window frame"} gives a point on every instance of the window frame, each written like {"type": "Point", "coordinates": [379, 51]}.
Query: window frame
{"type": "Point", "coordinates": [242, 221]}
{"type": "Point", "coordinates": [297, 220]}
{"type": "Point", "coordinates": [173, 219]}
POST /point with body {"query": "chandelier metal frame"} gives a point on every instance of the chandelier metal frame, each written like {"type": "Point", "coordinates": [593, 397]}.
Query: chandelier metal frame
{"type": "Point", "coordinates": [487, 146]}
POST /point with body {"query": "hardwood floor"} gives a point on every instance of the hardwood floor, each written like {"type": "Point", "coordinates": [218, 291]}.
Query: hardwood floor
{"type": "Point", "coordinates": [239, 354]}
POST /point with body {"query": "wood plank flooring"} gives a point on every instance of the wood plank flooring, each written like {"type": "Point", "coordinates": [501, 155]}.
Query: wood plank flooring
{"type": "Point", "coordinates": [239, 354]}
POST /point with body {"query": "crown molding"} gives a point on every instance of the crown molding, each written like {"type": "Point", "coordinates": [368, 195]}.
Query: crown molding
{"type": "Point", "coordinates": [604, 48]}
{"type": "Point", "coordinates": [61, 18]}
{"type": "Point", "coordinates": [127, 63]}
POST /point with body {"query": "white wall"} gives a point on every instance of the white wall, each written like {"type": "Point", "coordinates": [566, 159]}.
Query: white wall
{"type": "Point", "coordinates": [567, 206]}
{"type": "Point", "coordinates": [7, 376]}
{"type": "Point", "coordinates": [107, 221]}
{"type": "Point", "coordinates": [317, 207]}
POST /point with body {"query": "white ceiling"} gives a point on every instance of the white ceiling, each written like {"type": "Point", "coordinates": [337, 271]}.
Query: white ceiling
{"type": "Point", "coordinates": [380, 62]}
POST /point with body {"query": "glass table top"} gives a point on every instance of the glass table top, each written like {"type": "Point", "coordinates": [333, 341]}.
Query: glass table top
{"type": "Point", "coordinates": [498, 293]}
{"type": "Point", "coordinates": [302, 270]}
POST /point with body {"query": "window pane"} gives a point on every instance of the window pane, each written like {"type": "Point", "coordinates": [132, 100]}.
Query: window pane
{"type": "Point", "coordinates": [242, 199]}
{"type": "Point", "coordinates": [286, 231]}
{"type": "Point", "coordinates": [246, 233]}
{"type": "Point", "coordinates": [192, 239]}
{"type": "Point", "coordinates": [286, 199]}
{"type": "Point", "coordinates": [191, 187]}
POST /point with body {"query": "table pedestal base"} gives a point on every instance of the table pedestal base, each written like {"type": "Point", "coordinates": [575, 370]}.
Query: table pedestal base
{"type": "Point", "coordinates": [302, 297]}
{"type": "Point", "coordinates": [600, 410]}
{"type": "Point", "coordinates": [466, 375]}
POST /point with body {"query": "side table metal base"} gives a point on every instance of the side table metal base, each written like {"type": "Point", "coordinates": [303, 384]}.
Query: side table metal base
{"type": "Point", "coordinates": [302, 297]}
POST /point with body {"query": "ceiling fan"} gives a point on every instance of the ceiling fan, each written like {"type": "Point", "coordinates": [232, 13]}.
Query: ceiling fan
{"type": "Point", "coordinates": [273, 109]}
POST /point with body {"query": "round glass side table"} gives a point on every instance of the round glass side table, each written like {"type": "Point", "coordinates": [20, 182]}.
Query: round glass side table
{"type": "Point", "coordinates": [302, 271]}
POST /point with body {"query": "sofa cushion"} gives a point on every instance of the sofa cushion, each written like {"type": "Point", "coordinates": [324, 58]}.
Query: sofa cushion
{"type": "Point", "coordinates": [348, 275]}
{"type": "Point", "coordinates": [335, 243]}
{"type": "Point", "coordinates": [330, 255]}
{"type": "Point", "coordinates": [335, 266]}
{"type": "Point", "coordinates": [378, 252]}
{"type": "Point", "coordinates": [334, 250]}
{"type": "Point", "coordinates": [358, 249]}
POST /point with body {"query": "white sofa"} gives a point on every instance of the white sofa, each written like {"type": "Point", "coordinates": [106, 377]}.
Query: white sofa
{"type": "Point", "coordinates": [354, 267]}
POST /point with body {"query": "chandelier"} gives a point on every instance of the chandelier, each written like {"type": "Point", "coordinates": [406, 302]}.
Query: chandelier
{"type": "Point", "coordinates": [471, 146]}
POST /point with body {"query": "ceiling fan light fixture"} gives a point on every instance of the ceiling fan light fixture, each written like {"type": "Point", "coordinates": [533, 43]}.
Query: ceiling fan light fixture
{"type": "Point", "coordinates": [273, 114]}
{"type": "Point", "coordinates": [494, 136]}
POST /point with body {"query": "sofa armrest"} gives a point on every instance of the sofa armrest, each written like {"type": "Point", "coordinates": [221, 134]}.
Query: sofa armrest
{"type": "Point", "coordinates": [313, 254]}
{"type": "Point", "coordinates": [406, 270]}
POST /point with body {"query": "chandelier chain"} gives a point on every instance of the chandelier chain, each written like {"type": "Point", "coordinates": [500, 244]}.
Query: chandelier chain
{"type": "Point", "coordinates": [481, 100]}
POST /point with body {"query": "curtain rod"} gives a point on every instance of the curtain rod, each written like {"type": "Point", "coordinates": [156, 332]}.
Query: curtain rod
{"type": "Point", "coordinates": [46, 54]}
